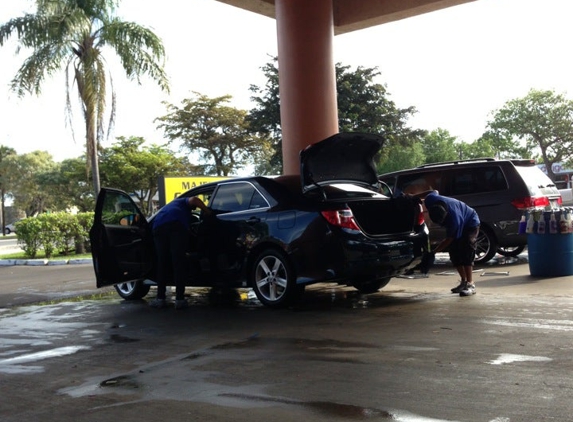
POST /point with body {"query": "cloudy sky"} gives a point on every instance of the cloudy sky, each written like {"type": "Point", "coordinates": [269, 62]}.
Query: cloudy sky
{"type": "Point", "coordinates": [455, 66]}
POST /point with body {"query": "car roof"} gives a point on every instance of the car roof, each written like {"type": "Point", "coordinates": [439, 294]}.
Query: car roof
{"type": "Point", "coordinates": [456, 163]}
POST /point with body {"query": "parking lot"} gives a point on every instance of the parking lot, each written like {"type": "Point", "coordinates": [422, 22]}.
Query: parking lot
{"type": "Point", "coordinates": [412, 352]}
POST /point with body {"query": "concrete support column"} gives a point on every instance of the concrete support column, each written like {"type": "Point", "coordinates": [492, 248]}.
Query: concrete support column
{"type": "Point", "coordinates": [307, 79]}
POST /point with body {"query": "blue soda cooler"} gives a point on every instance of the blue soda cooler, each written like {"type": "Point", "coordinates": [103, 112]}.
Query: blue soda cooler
{"type": "Point", "coordinates": [550, 244]}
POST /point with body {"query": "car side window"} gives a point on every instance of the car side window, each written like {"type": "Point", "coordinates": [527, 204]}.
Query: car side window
{"type": "Point", "coordinates": [258, 201]}
{"type": "Point", "coordinates": [420, 182]}
{"type": "Point", "coordinates": [119, 209]}
{"type": "Point", "coordinates": [240, 196]}
{"type": "Point", "coordinates": [494, 179]}
{"type": "Point", "coordinates": [476, 180]}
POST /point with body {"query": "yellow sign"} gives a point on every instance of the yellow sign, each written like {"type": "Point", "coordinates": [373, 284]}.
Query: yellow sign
{"type": "Point", "coordinates": [171, 187]}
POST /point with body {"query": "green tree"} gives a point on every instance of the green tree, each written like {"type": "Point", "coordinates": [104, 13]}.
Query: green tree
{"type": "Point", "coordinates": [217, 132]}
{"type": "Point", "coordinates": [72, 35]}
{"type": "Point", "coordinates": [494, 144]}
{"type": "Point", "coordinates": [135, 168]}
{"type": "Point", "coordinates": [69, 184]}
{"type": "Point", "coordinates": [24, 175]}
{"type": "Point", "coordinates": [542, 120]}
{"type": "Point", "coordinates": [481, 148]}
{"type": "Point", "coordinates": [363, 106]}
{"type": "Point", "coordinates": [439, 145]}
{"type": "Point", "coordinates": [398, 157]}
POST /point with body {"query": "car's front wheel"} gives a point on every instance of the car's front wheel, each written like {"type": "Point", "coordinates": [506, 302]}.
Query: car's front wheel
{"type": "Point", "coordinates": [511, 251]}
{"type": "Point", "coordinates": [7, 231]}
{"type": "Point", "coordinates": [273, 280]}
{"type": "Point", "coordinates": [133, 290]}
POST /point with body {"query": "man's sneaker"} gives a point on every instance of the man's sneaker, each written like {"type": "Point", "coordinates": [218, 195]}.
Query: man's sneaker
{"type": "Point", "coordinates": [469, 290]}
{"type": "Point", "coordinates": [158, 303]}
{"type": "Point", "coordinates": [459, 287]}
{"type": "Point", "coordinates": [181, 304]}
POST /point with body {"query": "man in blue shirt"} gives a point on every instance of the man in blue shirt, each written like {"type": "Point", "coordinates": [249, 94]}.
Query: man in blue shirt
{"type": "Point", "coordinates": [462, 227]}
{"type": "Point", "coordinates": [171, 238]}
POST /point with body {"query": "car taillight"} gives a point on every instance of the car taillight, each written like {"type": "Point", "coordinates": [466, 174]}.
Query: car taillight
{"type": "Point", "coordinates": [421, 216]}
{"type": "Point", "coordinates": [530, 202]}
{"type": "Point", "coordinates": [341, 218]}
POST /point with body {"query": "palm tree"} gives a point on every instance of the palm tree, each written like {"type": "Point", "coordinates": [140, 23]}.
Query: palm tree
{"type": "Point", "coordinates": [72, 35]}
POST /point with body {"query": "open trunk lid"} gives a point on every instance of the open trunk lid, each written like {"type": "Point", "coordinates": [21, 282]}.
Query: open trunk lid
{"type": "Point", "coordinates": [341, 158]}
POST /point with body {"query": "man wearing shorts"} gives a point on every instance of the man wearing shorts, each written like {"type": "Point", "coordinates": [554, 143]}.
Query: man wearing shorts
{"type": "Point", "coordinates": [462, 227]}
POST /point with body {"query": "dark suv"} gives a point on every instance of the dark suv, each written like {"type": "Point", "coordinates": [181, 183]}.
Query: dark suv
{"type": "Point", "coordinates": [499, 190]}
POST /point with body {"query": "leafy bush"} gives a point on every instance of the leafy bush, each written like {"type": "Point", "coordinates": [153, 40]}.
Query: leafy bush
{"type": "Point", "coordinates": [28, 231]}
{"type": "Point", "coordinates": [82, 237]}
{"type": "Point", "coordinates": [57, 232]}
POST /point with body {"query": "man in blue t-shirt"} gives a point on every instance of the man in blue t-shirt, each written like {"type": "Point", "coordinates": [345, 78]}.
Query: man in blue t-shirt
{"type": "Point", "coordinates": [171, 238]}
{"type": "Point", "coordinates": [462, 227]}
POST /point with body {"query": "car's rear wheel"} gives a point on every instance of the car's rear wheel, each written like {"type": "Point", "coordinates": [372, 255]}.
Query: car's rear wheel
{"type": "Point", "coordinates": [133, 290]}
{"type": "Point", "coordinates": [370, 286]}
{"type": "Point", "coordinates": [510, 250]}
{"type": "Point", "coordinates": [273, 279]}
{"type": "Point", "coordinates": [486, 246]}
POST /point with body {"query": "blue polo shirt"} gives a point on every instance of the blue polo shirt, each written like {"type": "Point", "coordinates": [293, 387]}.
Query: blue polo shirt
{"type": "Point", "coordinates": [460, 215]}
{"type": "Point", "coordinates": [177, 210]}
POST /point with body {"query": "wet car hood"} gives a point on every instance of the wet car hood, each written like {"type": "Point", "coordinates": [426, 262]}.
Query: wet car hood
{"type": "Point", "coordinates": [341, 158]}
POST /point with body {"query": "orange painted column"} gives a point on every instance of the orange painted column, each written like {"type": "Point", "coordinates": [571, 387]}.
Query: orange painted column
{"type": "Point", "coordinates": [307, 79]}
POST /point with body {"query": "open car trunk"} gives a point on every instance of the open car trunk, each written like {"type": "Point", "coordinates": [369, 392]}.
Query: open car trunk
{"type": "Point", "coordinates": [378, 217]}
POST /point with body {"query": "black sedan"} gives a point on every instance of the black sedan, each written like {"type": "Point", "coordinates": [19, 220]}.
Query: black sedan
{"type": "Point", "coordinates": [275, 234]}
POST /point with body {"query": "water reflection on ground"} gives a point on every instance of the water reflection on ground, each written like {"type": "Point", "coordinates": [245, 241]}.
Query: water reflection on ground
{"type": "Point", "coordinates": [31, 334]}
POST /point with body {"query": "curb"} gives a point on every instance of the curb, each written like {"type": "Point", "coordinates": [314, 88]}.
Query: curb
{"type": "Point", "coordinates": [43, 262]}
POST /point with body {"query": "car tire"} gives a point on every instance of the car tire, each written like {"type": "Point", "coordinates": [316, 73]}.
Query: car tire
{"type": "Point", "coordinates": [133, 290]}
{"type": "Point", "coordinates": [371, 286]}
{"type": "Point", "coordinates": [486, 246]}
{"type": "Point", "coordinates": [273, 280]}
{"type": "Point", "coordinates": [510, 251]}
{"type": "Point", "coordinates": [7, 231]}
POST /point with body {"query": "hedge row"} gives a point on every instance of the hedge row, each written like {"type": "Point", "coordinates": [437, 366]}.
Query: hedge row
{"type": "Point", "coordinates": [60, 232]}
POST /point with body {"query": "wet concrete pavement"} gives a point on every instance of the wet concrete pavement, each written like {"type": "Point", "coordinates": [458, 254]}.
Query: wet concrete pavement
{"type": "Point", "coordinates": [412, 352]}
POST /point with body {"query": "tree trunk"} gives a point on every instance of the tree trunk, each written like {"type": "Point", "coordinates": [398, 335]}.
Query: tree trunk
{"type": "Point", "coordinates": [2, 212]}
{"type": "Point", "coordinates": [95, 169]}
{"type": "Point", "coordinates": [92, 146]}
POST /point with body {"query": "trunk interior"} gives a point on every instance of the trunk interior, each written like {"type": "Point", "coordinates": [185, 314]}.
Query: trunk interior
{"type": "Point", "coordinates": [375, 217]}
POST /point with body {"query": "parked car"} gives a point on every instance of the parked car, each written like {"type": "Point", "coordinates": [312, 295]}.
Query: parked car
{"type": "Point", "coordinates": [10, 228]}
{"type": "Point", "coordinates": [499, 190]}
{"type": "Point", "coordinates": [275, 234]}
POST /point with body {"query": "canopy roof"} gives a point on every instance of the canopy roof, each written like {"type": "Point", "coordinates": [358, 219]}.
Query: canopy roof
{"type": "Point", "coordinates": [352, 15]}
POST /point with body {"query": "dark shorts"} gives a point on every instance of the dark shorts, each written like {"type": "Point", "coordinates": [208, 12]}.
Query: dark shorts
{"type": "Point", "coordinates": [463, 250]}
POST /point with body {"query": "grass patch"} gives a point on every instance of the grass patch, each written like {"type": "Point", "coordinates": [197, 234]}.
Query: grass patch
{"type": "Point", "coordinates": [42, 255]}
{"type": "Point", "coordinates": [96, 296]}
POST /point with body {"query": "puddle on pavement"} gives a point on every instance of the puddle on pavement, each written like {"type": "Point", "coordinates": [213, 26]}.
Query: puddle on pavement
{"type": "Point", "coordinates": [121, 381]}
{"type": "Point", "coordinates": [14, 365]}
{"type": "Point", "coordinates": [339, 410]}
{"type": "Point", "coordinates": [533, 323]}
{"type": "Point", "coordinates": [32, 334]}
{"type": "Point", "coordinates": [506, 358]}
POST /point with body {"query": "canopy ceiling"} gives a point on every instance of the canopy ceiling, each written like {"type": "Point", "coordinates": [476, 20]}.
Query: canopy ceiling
{"type": "Point", "coordinates": [352, 15]}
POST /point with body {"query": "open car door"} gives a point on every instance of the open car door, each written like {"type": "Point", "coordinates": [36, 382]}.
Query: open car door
{"type": "Point", "coordinates": [121, 241]}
